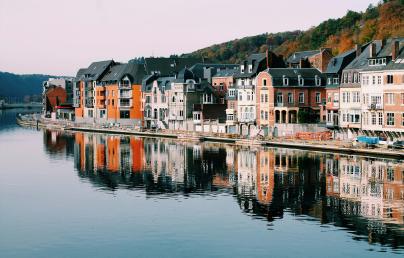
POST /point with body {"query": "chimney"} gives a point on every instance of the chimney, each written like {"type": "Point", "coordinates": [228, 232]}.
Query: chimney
{"type": "Point", "coordinates": [383, 43]}
{"type": "Point", "coordinates": [358, 50]}
{"type": "Point", "coordinates": [395, 49]}
{"type": "Point", "coordinates": [372, 50]}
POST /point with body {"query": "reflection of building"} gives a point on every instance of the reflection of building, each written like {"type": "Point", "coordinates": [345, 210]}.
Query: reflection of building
{"type": "Point", "coordinates": [247, 172]}
{"type": "Point", "coordinates": [265, 175]}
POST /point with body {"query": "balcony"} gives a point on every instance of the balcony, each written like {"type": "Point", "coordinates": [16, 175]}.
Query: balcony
{"type": "Point", "coordinates": [280, 104]}
{"type": "Point", "coordinates": [374, 106]}
{"type": "Point", "coordinates": [125, 94]}
{"type": "Point", "coordinates": [125, 103]}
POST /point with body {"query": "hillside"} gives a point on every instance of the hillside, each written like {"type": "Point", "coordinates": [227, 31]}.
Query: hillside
{"type": "Point", "coordinates": [376, 22]}
{"type": "Point", "coordinates": [15, 88]}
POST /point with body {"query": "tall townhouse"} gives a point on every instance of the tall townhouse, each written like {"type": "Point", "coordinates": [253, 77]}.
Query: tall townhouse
{"type": "Point", "coordinates": [84, 89]}
{"type": "Point", "coordinates": [246, 89]}
{"type": "Point", "coordinates": [350, 90]}
{"type": "Point", "coordinates": [223, 84]}
{"type": "Point", "coordinates": [383, 90]}
{"type": "Point", "coordinates": [155, 92]}
{"type": "Point", "coordinates": [118, 95]}
{"type": "Point", "coordinates": [186, 91]}
{"type": "Point", "coordinates": [310, 59]}
{"type": "Point", "coordinates": [289, 95]}
{"type": "Point", "coordinates": [333, 74]}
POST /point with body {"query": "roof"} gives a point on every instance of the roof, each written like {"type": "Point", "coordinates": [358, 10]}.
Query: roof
{"type": "Point", "coordinates": [80, 73]}
{"type": "Point", "coordinates": [339, 62]}
{"type": "Point", "coordinates": [202, 70]}
{"type": "Point", "coordinates": [257, 61]}
{"type": "Point", "coordinates": [97, 69]}
{"type": "Point", "coordinates": [386, 52]}
{"type": "Point", "coordinates": [117, 72]}
{"type": "Point", "coordinates": [226, 73]}
{"type": "Point", "coordinates": [308, 74]}
{"type": "Point", "coordinates": [184, 75]}
{"type": "Point", "coordinates": [297, 56]}
{"type": "Point", "coordinates": [167, 66]}
{"type": "Point", "coordinates": [361, 61]}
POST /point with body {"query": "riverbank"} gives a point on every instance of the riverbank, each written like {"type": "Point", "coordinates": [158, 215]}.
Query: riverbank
{"type": "Point", "coordinates": [324, 146]}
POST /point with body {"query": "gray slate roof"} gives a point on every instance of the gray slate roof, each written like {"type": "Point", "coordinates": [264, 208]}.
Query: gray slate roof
{"type": "Point", "coordinates": [308, 74]}
{"type": "Point", "coordinates": [134, 71]}
{"type": "Point", "coordinates": [97, 69]}
{"type": "Point", "coordinates": [297, 56]}
{"type": "Point", "coordinates": [339, 62]}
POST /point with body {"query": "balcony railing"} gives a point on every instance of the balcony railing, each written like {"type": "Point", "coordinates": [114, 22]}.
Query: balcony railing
{"type": "Point", "coordinates": [125, 104]}
{"type": "Point", "coordinates": [374, 106]}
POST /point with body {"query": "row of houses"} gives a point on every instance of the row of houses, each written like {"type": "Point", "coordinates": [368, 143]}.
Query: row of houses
{"type": "Point", "coordinates": [358, 91]}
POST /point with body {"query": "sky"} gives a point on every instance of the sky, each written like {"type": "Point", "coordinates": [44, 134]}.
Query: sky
{"type": "Point", "coordinates": [58, 37]}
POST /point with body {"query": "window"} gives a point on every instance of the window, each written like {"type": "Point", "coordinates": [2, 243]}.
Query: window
{"type": "Point", "coordinates": [356, 97]}
{"type": "Point", "coordinates": [279, 98]}
{"type": "Point", "coordinates": [373, 118]}
{"type": "Point", "coordinates": [301, 97]}
{"type": "Point", "coordinates": [250, 67]}
{"type": "Point", "coordinates": [240, 96]}
{"type": "Point", "coordinates": [390, 98]}
{"type": "Point", "coordinates": [264, 82]}
{"type": "Point", "coordinates": [266, 115]}
{"type": "Point", "coordinates": [336, 97]}
{"type": "Point", "coordinates": [301, 80]}
{"type": "Point", "coordinates": [380, 118]}
{"type": "Point", "coordinates": [355, 77]}
{"type": "Point", "coordinates": [328, 81]}
{"type": "Point", "coordinates": [365, 80]}
{"type": "Point", "coordinates": [262, 114]}
{"type": "Point", "coordinates": [181, 113]}
{"type": "Point", "coordinates": [242, 69]}
{"type": "Point", "coordinates": [389, 79]}
{"type": "Point", "coordinates": [124, 114]}
{"type": "Point", "coordinates": [113, 102]}
{"type": "Point", "coordinates": [402, 119]}
{"type": "Point", "coordinates": [335, 80]}
{"type": "Point", "coordinates": [290, 97]}
{"type": "Point", "coordinates": [373, 80]}
{"type": "Point", "coordinates": [365, 118]}
{"type": "Point", "coordinates": [379, 79]}
{"type": "Point", "coordinates": [390, 118]}
{"type": "Point", "coordinates": [285, 80]}
{"type": "Point", "coordinates": [266, 98]}
{"type": "Point", "coordinates": [262, 97]}
{"type": "Point", "coordinates": [318, 97]}
{"type": "Point", "coordinates": [318, 80]}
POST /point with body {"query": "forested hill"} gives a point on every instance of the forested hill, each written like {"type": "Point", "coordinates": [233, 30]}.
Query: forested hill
{"type": "Point", "coordinates": [376, 22]}
{"type": "Point", "coordinates": [15, 87]}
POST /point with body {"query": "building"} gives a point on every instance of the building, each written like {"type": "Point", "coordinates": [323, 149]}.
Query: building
{"type": "Point", "coordinates": [289, 95]}
{"type": "Point", "coordinates": [246, 90]}
{"type": "Point", "coordinates": [350, 90]}
{"type": "Point", "coordinates": [186, 91]}
{"type": "Point", "coordinates": [333, 74]}
{"type": "Point", "coordinates": [222, 81]}
{"type": "Point", "coordinates": [155, 91]}
{"type": "Point", "coordinates": [118, 95]}
{"type": "Point", "coordinates": [382, 88]}
{"type": "Point", "coordinates": [84, 89]}
{"type": "Point", "coordinates": [57, 92]}
{"type": "Point", "coordinates": [310, 59]}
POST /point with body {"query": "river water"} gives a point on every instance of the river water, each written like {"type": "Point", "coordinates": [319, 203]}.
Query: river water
{"type": "Point", "coordinates": [79, 194]}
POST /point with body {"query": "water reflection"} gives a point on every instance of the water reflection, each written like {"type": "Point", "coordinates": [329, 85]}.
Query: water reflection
{"type": "Point", "coordinates": [360, 194]}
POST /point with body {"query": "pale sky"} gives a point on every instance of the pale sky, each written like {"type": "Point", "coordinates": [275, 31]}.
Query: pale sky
{"type": "Point", "coordinates": [58, 37]}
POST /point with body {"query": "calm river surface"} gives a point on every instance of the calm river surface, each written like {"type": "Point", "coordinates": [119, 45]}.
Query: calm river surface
{"type": "Point", "coordinates": [79, 195]}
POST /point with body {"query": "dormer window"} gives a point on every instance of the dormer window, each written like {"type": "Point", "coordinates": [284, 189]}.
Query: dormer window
{"type": "Point", "coordinates": [300, 80]}
{"type": "Point", "coordinates": [264, 82]}
{"type": "Point", "coordinates": [232, 93]}
{"type": "Point", "coordinates": [318, 80]}
{"type": "Point", "coordinates": [378, 61]}
{"type": "Point", "coordinates": [250, 67]}
{"type": "Point", "coordinates": [241, 68]}
{"type": "Point", "coordinates": [285, 80]}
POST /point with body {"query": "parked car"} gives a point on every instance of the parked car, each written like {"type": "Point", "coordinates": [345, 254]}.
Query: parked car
{"type": "Point", "coordinates": [398, 145]}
